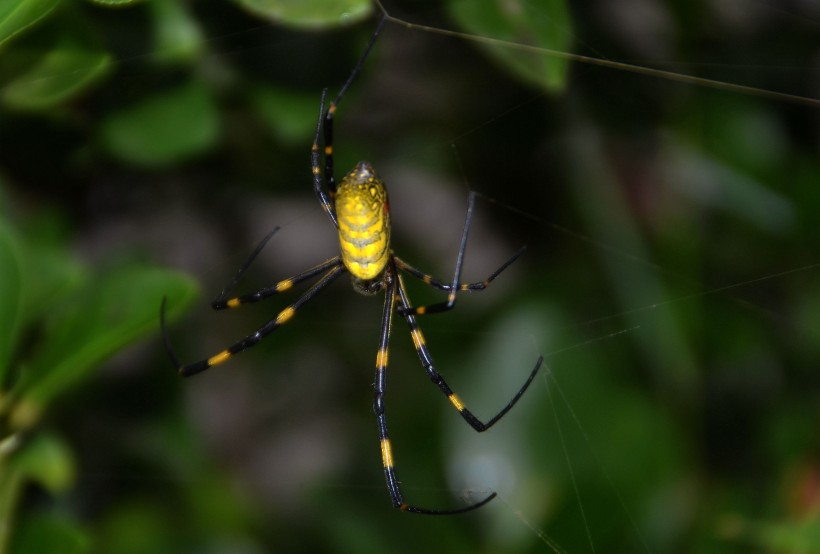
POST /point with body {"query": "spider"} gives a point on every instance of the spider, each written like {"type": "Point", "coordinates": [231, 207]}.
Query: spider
{"type": "Point", "coordinates": [358, 208]}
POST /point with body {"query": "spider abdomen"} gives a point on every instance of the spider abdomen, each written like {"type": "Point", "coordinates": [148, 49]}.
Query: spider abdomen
{"type": "Point", "coordinates": [364, 223]}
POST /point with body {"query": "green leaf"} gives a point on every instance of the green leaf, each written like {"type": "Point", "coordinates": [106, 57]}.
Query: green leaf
{"type": "Point", "coordinates": [163, 129]}
{"type": "Point", "coordinates": [177, 35]}
{"type": "Point", "coordinates": [290, 115]}
{"type": "Point", "coordinates": [309, 14]}
{"type": "Point", "coordinates": [35, 275]}
{"type": "Point", "coordinates": [18, 15]}
{"type": "Point", "coordinates": [55, 69]}
{"type": "Point", "coordinates": [112, 312]}
{"type": "Point", "coordinates": [544, 25]}
{"type": "Point", "coordinates": [10, 287]}
{"type": "Point", "coordinates": [49, 533]}
{"type": "Point", "coordinates": [795, 534]}
{"type": "Point", "coordinates": [133, 527]}
{"type": "Point", "coordinates": [46, 460]}
{"type": "Point", "coordinates": [50, 274]}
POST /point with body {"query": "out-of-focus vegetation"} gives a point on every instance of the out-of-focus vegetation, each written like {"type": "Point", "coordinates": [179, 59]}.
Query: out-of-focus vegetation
{"type": "Point", "coordinates": [672, 279]}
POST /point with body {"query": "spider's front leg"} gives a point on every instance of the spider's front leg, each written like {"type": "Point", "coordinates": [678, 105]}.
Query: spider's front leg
{"type": "Point", "coordinates": [324, 127]}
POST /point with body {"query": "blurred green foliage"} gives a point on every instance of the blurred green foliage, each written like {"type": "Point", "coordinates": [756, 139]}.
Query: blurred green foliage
{"type": "Point", "coordinates": [671, 279]}
{"type": "Point", "coordinates": [59, 323]}
{"type": "Point", "coordinates": [543, 26]}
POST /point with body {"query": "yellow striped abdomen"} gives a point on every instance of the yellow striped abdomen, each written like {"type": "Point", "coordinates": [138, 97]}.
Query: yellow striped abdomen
{"type": "Point", "coordinates": [364, 223]}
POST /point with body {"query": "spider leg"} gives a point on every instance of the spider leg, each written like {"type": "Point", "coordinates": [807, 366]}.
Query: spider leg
{"type": "Point", "coordinates": [456, 284]}
{"type": "Point", "coordinates": [435, 376]}
{"type": "Point", "coordinates": [434, 282]}
{"type": "Point", "coordinates": [331, 109]}
{"type": "Point", "coordinates": [251, 340]}
{"type": "Point", "coordinates": [380, 388]}
{"type": "Point", "coordinates": [223, 302]}
{"type": "Point", "coordinates": [360, 64]}
{"type": "Point", "coordinates": [242, 269]}
{"type": "Point", "coordinates": [326, 197]}
{"type": "Point", "coordinates": [327, 192]}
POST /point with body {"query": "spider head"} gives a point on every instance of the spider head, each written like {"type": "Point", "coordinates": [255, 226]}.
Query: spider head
{"type": "Point", "coordinates": [367, 287]}
{"type": "Point", "coordinates": [364, 223]}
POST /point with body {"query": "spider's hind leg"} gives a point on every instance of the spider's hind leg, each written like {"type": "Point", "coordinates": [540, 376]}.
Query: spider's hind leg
{"type": "Point", "coordinates": [379, 388]}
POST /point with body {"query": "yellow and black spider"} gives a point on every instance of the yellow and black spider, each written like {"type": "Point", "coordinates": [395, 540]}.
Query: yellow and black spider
{"type": "Point", "coordinates": [358, 208]}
